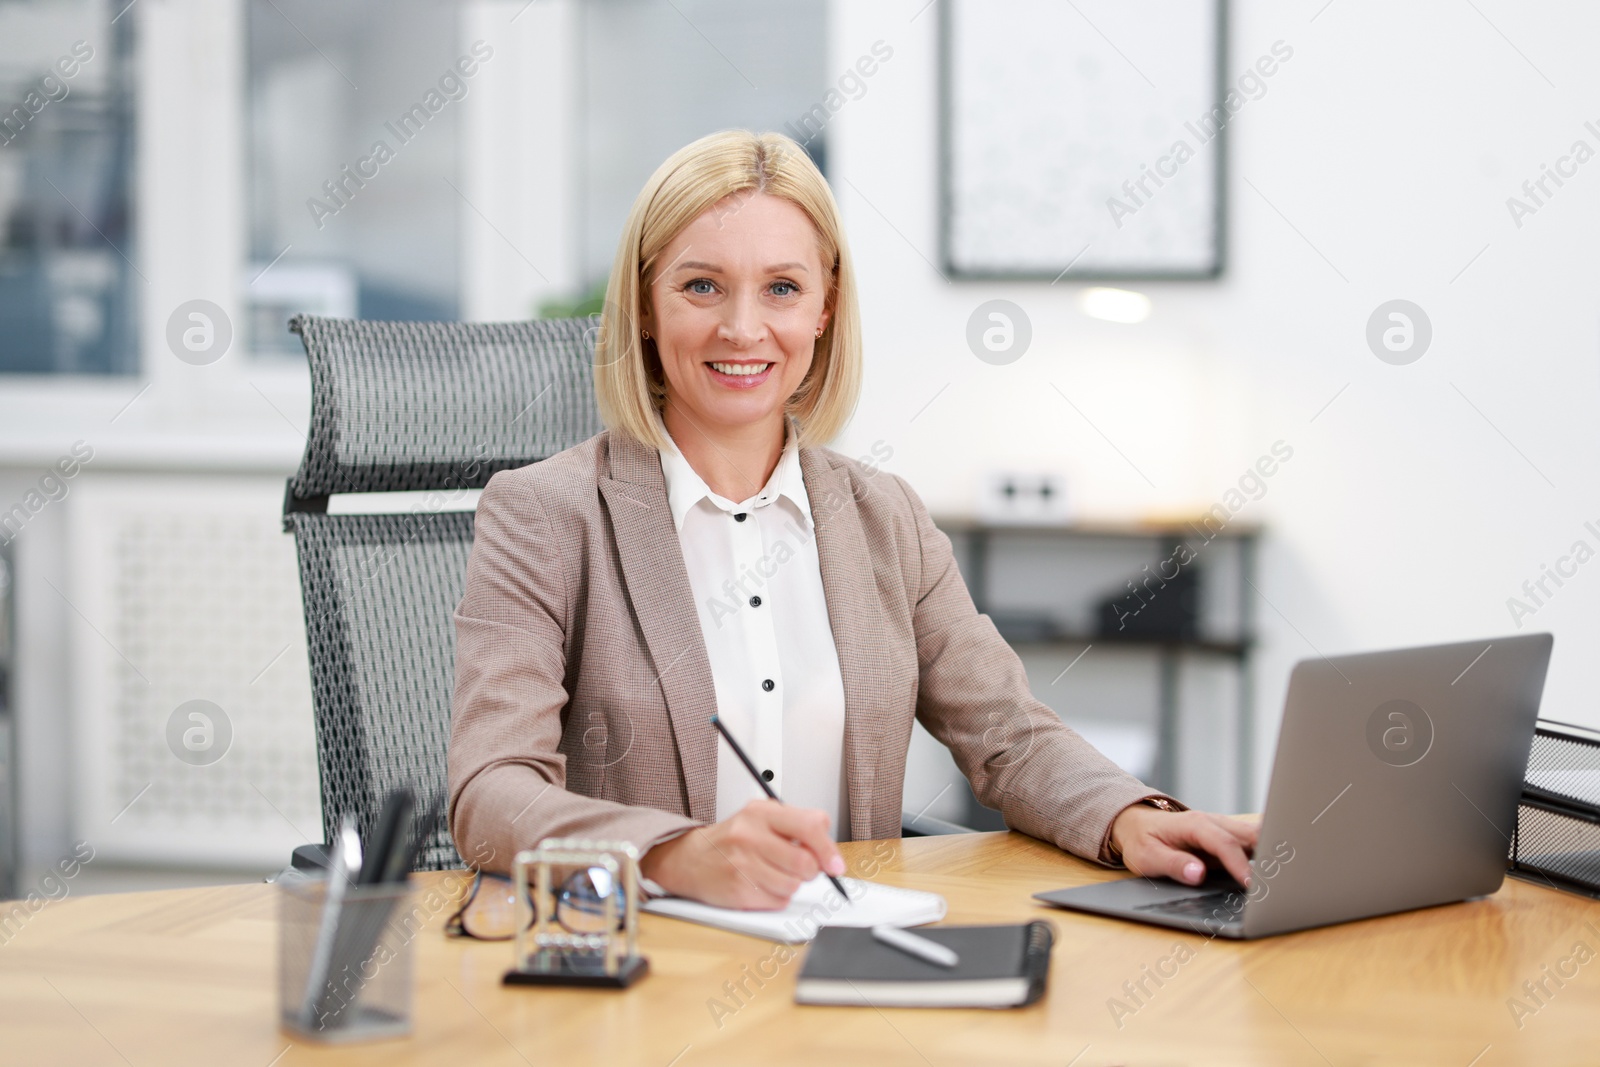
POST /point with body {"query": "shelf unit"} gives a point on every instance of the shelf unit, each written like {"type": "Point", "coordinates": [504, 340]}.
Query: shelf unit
{"type": "Point", "coordinates": [981, 549]}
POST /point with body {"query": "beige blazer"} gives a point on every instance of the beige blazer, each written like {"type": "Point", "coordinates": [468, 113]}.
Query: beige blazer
{"type": "Point", "coordinates": [583, 693]}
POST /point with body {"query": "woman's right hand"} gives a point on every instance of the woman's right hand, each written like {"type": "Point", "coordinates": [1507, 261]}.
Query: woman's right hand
{"type": "Point", "coordinates": [754, 860]}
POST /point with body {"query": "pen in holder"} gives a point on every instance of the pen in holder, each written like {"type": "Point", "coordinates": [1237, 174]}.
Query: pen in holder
{"type": "Point", "coordinates": [582, 927]}
{"type": "Point", "coordinates": [344, 959]}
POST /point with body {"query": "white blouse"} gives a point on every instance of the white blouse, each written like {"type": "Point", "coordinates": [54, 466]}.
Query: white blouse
{"type": "Point", "coordinates": [757, 585]}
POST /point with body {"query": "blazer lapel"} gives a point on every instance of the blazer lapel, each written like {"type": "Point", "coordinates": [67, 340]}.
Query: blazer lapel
{"type": "Point", "coordinates": [663, 602]}
{"type": "Point", "coordinates": [848, 586]}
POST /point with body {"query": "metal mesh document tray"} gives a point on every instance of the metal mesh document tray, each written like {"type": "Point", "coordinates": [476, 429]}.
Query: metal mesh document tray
{"type": "Point", "coordinates": [1557, 839]}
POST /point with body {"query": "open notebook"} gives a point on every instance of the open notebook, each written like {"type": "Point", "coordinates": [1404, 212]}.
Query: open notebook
{"type": "Point", "coordinates": [814, 905]}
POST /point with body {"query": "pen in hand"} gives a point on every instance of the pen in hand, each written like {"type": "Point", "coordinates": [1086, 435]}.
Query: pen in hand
{"type": "Point", "coordinates": [765, 788]}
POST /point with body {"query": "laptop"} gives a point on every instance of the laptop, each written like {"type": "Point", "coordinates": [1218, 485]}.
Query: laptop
{"type": "Point", "coordinates": [1395, 787]}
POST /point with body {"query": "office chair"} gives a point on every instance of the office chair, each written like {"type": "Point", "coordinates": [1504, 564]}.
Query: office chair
{"type": "Point", "coordinates": [395, 407]}
{"type": "Point", "coordinates": [414, 406]}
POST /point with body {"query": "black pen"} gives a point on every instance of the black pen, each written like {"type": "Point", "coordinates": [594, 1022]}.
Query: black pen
{"type": "Point", "coordinates": [765, 788]}
{"type": "Point", "coordinates": [388, 838]}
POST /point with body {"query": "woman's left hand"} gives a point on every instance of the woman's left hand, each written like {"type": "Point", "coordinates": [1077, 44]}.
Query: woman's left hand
{"type": "Point", "coordinates": [1155, 842]}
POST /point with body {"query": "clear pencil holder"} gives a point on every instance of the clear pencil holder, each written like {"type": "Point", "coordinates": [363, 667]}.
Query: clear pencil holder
{"type": "Point", "coordinates": [344, 966]}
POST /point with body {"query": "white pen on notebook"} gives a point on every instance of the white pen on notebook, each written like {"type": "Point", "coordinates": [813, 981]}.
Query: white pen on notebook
{"type": "Point", "coordinates": [914, 945]}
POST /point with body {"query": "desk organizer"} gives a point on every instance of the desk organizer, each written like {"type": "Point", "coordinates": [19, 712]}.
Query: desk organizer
{"type": "Point", "coordinates": [1557, 839]}
{"type": "Point", "coordinates": [344, 967]}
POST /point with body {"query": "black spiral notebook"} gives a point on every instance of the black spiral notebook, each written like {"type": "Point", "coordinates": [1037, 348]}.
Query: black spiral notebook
{"type": "Point", "coordinates": [1001, 967]}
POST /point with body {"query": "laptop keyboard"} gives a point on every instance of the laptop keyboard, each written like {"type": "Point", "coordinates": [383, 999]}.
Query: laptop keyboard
{"type": "Point", "coordinates": [1226, 906]}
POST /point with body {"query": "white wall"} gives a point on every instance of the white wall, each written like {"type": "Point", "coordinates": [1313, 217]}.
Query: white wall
{"type": "Point", "coordinates": [517, 143]}
{"type": "Point", "coordinates": [1386, 147]}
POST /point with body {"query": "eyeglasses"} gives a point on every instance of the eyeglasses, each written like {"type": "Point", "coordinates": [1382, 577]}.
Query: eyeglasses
{"type": "Point", "coordinates": [490, 911]}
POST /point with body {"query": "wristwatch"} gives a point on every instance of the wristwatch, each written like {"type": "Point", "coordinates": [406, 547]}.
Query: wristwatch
{"type": "Point", "coordinates": [1163, 803]}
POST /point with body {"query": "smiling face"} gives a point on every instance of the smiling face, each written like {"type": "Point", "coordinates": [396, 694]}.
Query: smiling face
{"type": "Point", "coordinates": [734, 312]}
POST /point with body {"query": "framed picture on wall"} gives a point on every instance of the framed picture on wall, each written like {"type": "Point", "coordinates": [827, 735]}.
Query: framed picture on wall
{"type": "Point", "coordinates": [1084, 139]}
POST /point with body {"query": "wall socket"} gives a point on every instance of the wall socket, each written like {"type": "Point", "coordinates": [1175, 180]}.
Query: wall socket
{"type": "Point", "coordinates": [1024, 497]}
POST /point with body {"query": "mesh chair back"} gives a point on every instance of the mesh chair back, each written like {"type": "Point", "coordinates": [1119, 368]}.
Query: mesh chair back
{"type": "Point", "coordinates": [410, 406]}
{"type": "Point", "coordinates": [440, 405]}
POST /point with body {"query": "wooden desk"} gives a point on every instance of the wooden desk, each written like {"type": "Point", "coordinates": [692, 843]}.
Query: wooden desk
{"type": "Point", "coordinates": [187, 977]}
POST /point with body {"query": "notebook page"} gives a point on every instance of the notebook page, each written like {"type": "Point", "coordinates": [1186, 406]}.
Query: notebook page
{"type": "Point", "coordinates": [814, 905]}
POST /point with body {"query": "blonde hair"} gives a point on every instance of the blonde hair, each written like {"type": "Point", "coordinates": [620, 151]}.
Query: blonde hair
{"type": "Point", "coordinates": [628, 381]}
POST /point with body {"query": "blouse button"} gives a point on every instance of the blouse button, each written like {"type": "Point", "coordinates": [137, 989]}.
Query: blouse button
{"type": "Point", "coordinates": [740, 517]}
{"type": "Point", "coordinates": [766, 776]}
{"type": "Point", "coordinates": [755, 602]}
{"type": "Point", "coordinates": [769, 685]}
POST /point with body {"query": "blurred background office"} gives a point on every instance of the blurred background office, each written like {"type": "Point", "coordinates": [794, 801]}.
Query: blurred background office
{"type": "Point", "coordinates": [1349, 332]}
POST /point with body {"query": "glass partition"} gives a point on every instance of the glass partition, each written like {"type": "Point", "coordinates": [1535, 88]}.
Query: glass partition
{"type": "Point", "coordinates": [352, 131]}
{"type": "Point", "coordinates": [67, 262]}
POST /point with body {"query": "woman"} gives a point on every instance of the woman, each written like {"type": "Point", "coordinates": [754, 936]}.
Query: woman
{"type": "Point", "coordinates": [706, 555]}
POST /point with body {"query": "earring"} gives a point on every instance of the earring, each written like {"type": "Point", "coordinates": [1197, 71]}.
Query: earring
{"type": "Point", "coordinates": [646, 334]}
{"type": "Point", "coordinates": [819, 331]}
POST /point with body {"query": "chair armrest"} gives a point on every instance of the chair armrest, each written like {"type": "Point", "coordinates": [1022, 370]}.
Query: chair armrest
{"type": "Point", "coordinates": [309, 858]}
{"type": "Point", "coordinates": [928, 826]}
